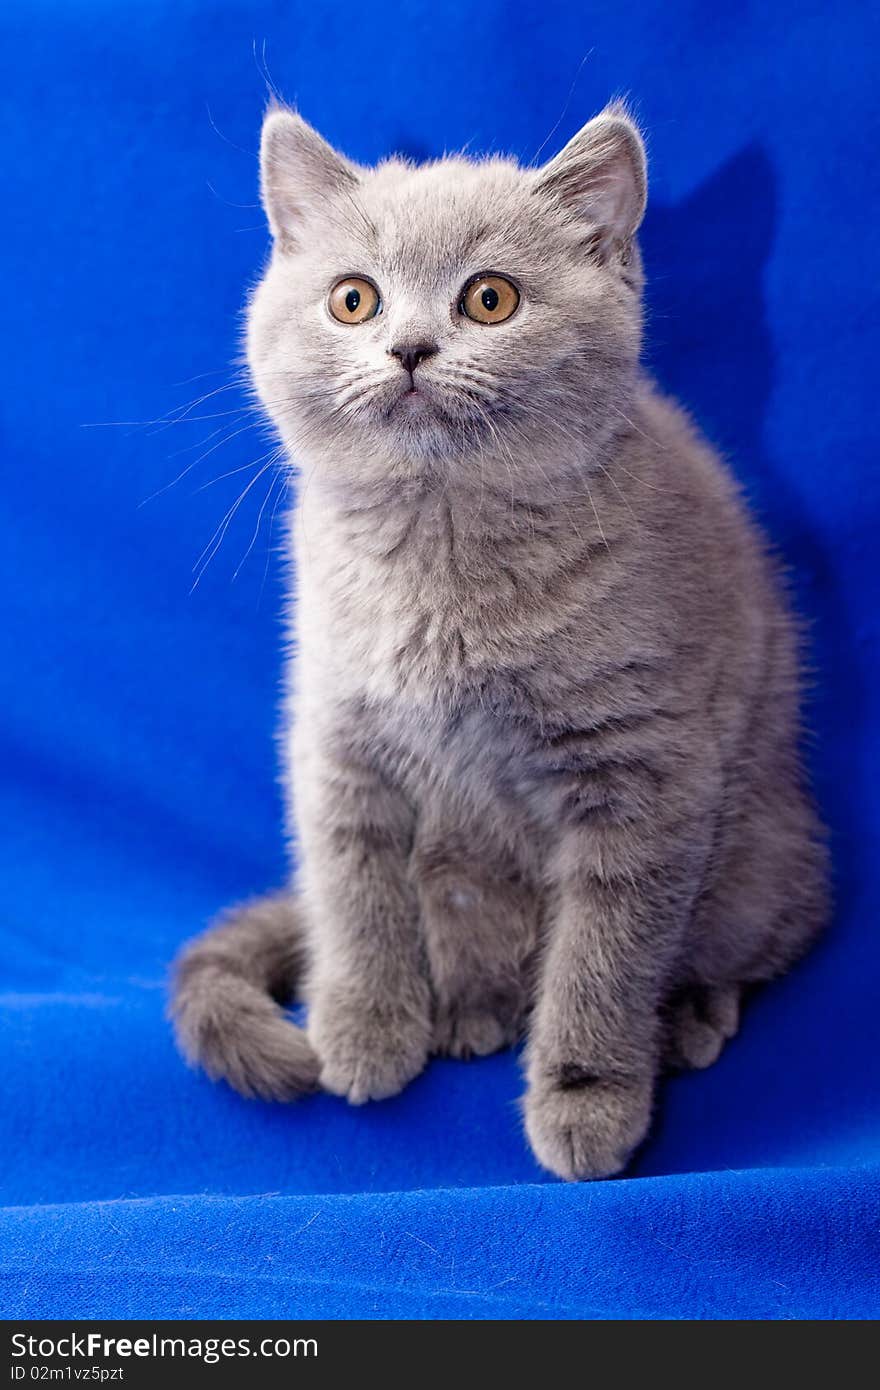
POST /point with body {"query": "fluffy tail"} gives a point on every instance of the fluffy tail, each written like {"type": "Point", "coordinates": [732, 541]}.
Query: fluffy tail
{"type": "Point", "coordinates": [227, 989]}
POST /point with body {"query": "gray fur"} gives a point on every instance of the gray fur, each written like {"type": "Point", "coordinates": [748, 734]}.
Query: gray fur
{"type": "Point", "coordinates": [543, 697]}
{"type": "Point", "coordinates": [229, 985]}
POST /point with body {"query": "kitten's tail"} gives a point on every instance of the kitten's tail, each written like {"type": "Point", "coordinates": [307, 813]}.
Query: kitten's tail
{"type": "Point", "coordinates": [227, 989]}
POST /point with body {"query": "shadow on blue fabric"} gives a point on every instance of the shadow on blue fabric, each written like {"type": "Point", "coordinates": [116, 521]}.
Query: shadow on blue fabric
{"type": "Point", "coordinates": [138, 790]}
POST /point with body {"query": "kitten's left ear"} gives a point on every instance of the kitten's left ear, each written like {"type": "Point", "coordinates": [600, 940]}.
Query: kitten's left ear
{"type": "Point", "coordinates": [602, 176]}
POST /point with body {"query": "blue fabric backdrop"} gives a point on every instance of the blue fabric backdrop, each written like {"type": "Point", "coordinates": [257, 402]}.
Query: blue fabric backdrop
{"type": "Point", "coordinates": [138, 777]}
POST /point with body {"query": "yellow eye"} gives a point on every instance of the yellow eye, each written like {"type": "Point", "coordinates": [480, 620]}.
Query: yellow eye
{"type": "Point", "coordinates": [489, 299]}
{"type": "Point", "coordinates": [354, 300]}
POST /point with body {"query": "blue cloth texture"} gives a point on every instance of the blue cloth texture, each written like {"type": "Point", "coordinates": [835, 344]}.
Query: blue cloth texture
{"type": "Point", "coordinates": [139, 785]}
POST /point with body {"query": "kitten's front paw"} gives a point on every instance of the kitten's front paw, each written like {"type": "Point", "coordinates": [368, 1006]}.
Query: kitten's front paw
{"type": "Point", "coordinates": [582, 1125]}
{"type": "Point", "coordinates": [368, 1051]}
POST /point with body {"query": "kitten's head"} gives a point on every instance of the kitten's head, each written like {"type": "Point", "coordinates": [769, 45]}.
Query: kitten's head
{"type": "Point", "coordinates": [414, 320]}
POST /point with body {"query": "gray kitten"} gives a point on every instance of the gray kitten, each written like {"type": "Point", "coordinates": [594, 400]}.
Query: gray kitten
{"type": "Point", "coordinates": [543, 698]}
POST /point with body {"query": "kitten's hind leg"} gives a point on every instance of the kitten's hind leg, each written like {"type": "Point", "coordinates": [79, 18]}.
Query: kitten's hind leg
{"type": "Point", "coordinates": [463, 1030]}
{"type": "Point", "coordinates": [765, 904]}
{"type": "Point", "coordinates": [699, 1021]}
{"type": "Point", "coordinates": [480, 925]}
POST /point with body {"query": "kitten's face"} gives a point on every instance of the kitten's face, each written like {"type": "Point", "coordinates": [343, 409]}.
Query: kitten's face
{"type": "Point", "coordinates": [417, 320]}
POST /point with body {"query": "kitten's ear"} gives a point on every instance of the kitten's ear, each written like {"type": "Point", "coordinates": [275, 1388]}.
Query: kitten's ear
{"type": "Point", "coordinates": [299, 171]}
{"type": "Point", "coordinates": [602, 176]}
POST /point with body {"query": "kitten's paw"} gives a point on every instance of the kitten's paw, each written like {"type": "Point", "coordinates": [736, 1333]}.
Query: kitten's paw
{"type": "Point", "coordinates": [469, 1032]}
{"type": "Point", "coordinates": [699, 1025]}
{"type": "Point", "coordinates": [369, 1052]}
{"type": "Point", "coordinates": [582, 1125]}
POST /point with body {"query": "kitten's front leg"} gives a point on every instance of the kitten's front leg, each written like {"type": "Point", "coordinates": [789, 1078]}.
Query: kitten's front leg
{"type": "Point", "coordinates": [594, 1041]}
{"type": "Point", "coordinates": [370, 1010]}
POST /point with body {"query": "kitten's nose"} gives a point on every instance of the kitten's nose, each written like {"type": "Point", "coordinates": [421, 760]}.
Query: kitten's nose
{"type": "Point", "coordinates": [409, 355]}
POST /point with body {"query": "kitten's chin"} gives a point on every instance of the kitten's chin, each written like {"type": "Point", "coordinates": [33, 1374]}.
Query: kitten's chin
{"type": "Point", "coordinates": [422, 435]}
{"type": "Point", "coordinates": [417, 424]}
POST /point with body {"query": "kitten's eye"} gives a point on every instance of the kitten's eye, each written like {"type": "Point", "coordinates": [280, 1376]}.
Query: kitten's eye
{"type": "Point", "coordinates": [354, 300]}
{"type": "Point", "coordinates": [489, 299]}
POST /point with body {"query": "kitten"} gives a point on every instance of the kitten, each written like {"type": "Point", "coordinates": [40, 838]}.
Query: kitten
{"type": "Point", "coordinates": [543, 701]}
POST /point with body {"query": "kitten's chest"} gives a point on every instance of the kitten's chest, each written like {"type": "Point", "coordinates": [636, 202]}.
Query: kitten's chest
{"type": "Point", "coordinates": [416, 603]}
{"type": "Point", "coordinates": [467, 768]}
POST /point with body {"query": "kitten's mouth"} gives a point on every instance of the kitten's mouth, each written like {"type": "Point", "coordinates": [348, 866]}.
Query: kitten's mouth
{"type": "Point", "coordinates": [413, 400]}
{"type": "Point", "coordinates": [420, 410]}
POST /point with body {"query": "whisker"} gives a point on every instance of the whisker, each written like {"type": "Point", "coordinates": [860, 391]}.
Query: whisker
{"type": "Point", "coordinates": [243, 468]}
{"type": "Point", "coordinates": [282, 494]}
{"type": "Point", "coordinates": [252, 424]}
{"type": "Point", "coordinates": [253, 540]}
{"type": "Point", "coordinates": [217, 539]}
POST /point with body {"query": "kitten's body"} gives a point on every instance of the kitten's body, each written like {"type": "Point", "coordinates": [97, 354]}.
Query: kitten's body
{"type": "Point", "coordinates": [544, 692]}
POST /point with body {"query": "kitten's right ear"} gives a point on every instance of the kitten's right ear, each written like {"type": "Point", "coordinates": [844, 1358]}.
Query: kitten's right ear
{"type": "Point", "coordinates": [298, 172]}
